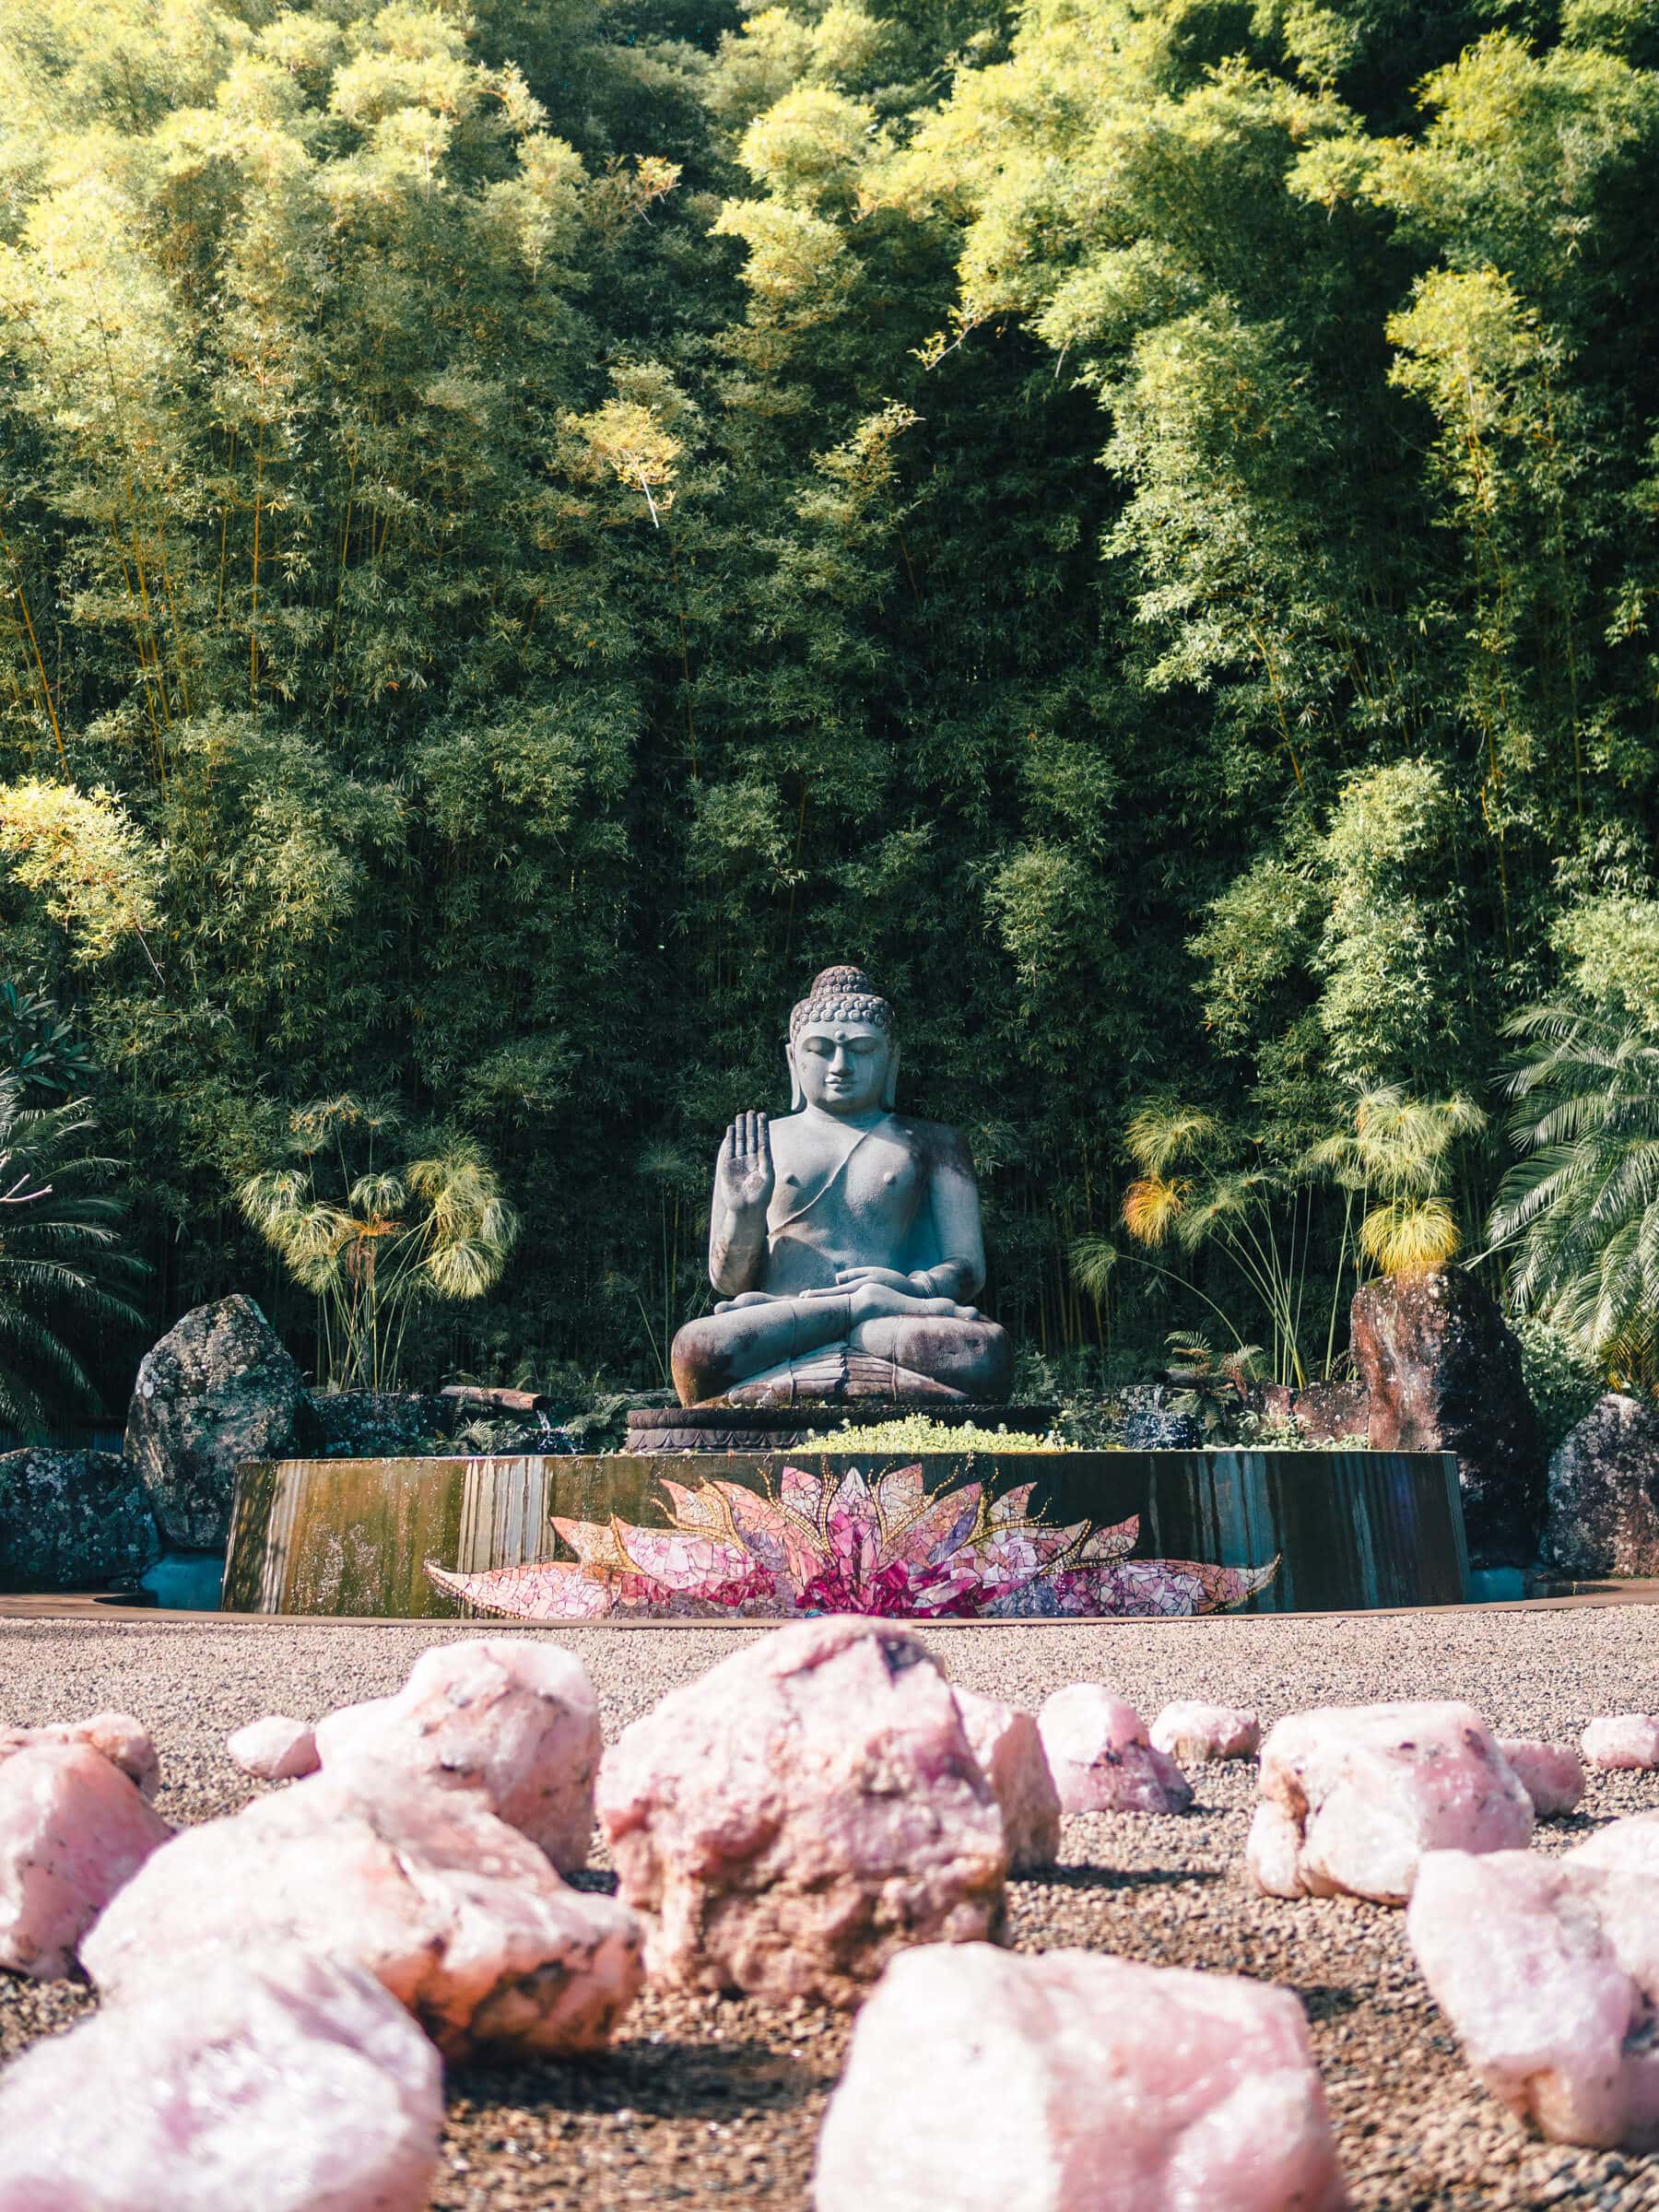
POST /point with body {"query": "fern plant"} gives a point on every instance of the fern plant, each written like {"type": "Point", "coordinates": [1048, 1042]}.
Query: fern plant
{"type": "Point", "coordinates": [62, 1263]}
{"type": "Point", "coordinates": [1580, 1210]}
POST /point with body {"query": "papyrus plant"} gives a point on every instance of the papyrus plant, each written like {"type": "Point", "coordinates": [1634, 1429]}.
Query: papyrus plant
{"type": "Point", "coordinates": [372, 1240]}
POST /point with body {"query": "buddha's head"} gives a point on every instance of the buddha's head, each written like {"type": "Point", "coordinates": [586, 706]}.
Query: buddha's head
{"type": "Point", "coordinates": [842, 1053]}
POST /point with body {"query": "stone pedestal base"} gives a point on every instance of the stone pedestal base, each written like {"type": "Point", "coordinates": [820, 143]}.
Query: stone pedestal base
{"type": "Point", "coordinates": [732, 1424]}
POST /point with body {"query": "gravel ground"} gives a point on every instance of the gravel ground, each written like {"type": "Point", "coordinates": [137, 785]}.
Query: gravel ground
{"type": "Point", "coordinates": [716, 2102]}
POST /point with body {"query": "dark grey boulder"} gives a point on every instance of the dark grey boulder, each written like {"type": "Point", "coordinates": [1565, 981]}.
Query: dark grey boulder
{"type": "Point", "coordinates": [380, 1424]}
{"type": "Point", "coordinates": [220, 1387]}
{"type": "Point", "coordinates": [1443, 1375]}
{"type": "Point", "coordinates": [1604, 1492]}
{"type": "Point", "coordinates": [72, 1521]}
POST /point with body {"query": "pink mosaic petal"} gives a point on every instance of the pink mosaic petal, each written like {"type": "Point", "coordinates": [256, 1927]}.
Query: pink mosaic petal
{"type": "Point", "coordinates": [802, 1493]}
{"type": "Point", "coordinates": [682, 1562]}
{"type": "Point", "coordinates": [554, 1590]}
{"type": "Point", "coordinates": [940, 1526]}
{"type": "Point", "coordinates": [1011, 1505]}
{"type": "Point", "coordinates": [1225, 1586]}
{"type": "Point", "coordinates": [1014, 1556]}
{"type": "Point", "coordinates": [900, 1496]}
{"type": "Point", "coordinates": [789, 1548]}
{"type": "Point", "coordinates": [696, 1508]}
{"type": "Point", "coordinates": [1114, 1543]}
{"type": "Point", "coordinates": [593, 1542]}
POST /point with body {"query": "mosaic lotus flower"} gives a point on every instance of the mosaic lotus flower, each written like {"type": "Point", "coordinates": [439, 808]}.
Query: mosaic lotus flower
{"type": "Point", "coordinates": [834, 1543]}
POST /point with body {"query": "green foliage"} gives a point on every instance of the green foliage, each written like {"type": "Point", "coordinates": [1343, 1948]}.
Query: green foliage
{"type": "Point", "coordinates": [38, 1045]}
{"type": "Point", "coordinates": [1211, 1388]}
{"type": "Point", "coordinates": [1561, 1383]}
{"type": "Point", "coordinates": [524, 532]}
{"type": "Point", "coordinates": [63, 1274]}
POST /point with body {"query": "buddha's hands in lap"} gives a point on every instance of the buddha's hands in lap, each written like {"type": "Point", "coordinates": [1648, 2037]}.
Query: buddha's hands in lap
{"type": "Point", "coordinates": [848, 1279]}
{"type": "Point", "coordinates": [744, 1175]}
{"type": "Point", "coordinates": [882, 1295]}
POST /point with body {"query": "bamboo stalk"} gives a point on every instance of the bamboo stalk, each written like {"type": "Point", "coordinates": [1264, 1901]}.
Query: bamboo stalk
{"type": "Point", "coordinates": [40, 663]}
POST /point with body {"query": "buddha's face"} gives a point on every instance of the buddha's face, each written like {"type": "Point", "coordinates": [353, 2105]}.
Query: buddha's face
{"type": "Point", "coordinates": [842, 1067]}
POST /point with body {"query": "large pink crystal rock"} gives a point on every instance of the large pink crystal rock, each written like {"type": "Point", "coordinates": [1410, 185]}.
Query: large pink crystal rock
{"type": "Point", "coordinates": [1551, 1775]}
{"type": "Point", "coordinates": [1100, 1758]}
{"type": "Point", "coordinates": [996, 2081]}
{"type": "Point", "coordinates": [1628, 1846]}
{"type": "Point", "coordinates": [807, 1809]}
{"type": "Point", "coordinates": [1192, 1733]}
{"type": "Point", "coordinates": [73, 1830]}
{"type": "Point", "coordinates": [274, 2084]}
{"type": "Point", "coordinates": [461, 1917]}
{"type": "Point", "coordinates": [116, 1737]}
{"type": "Point", "coordinates": [512, 1719]}
{"type": "Point", "coordinates": [1622, 1739]}
{"type": "Point", "coordinates": [1006, 1744]}
{"type": "Point", "coordinates": [1351, 1796]}
{"type": "Point", "coordinates": [274, 1748]}
{"type": "Point", "coordinates": [1547, 1970]}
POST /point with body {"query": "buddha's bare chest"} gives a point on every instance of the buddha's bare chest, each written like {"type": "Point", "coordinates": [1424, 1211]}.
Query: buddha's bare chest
{"type": "Point", "coordinates": [823, 1180]}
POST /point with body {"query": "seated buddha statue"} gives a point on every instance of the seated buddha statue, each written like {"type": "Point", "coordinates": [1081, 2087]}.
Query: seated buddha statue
{"type": "Point", "coordinates": [845, 1238]}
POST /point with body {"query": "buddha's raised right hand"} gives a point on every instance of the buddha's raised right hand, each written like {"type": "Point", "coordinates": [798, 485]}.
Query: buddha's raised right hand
{"type": "Point", "coordinates": [744, 1175]}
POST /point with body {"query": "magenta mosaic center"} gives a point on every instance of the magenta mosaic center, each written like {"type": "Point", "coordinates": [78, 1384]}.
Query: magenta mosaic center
{"type": "Point", "coordinates": [837, 1543]}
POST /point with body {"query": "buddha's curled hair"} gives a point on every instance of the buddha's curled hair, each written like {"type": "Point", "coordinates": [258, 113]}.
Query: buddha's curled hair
{"type": "Point", "coordinates": [840, 995]}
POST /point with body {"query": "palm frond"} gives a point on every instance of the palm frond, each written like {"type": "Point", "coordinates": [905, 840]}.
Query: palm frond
{"type": "Point", "coordinates": [60, 1262]}
{"type": "Point", "coordinates": [1579, 1211]}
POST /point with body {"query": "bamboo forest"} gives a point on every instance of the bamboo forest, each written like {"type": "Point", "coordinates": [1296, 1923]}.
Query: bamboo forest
{"type": "Point", "coordinates": [527, 529]}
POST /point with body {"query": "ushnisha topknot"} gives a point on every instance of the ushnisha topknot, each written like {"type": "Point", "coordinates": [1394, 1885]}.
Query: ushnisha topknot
{"type": "Point", "coordinates": [840, 995]}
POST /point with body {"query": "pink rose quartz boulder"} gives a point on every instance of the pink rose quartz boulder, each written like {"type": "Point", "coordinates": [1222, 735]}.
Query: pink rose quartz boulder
{"type": "Point", "coordinates": [808, 1808]}
{"type": "Point", "coordinates": [1350, 1798]}
{"type": "Point", "coordinates": [1628, 1846]}
{"type": "Point", "coordinates": [513, 1720]}
{"type": "Point", "coordinates": [116, 1737]}
{"type": "Point", "coordinates": [274, 1748]}
{"type": "Point", "coordinates": [1100, 1758]}
{"type": "Point", "coordinates": [1551, 1775]}
{"type": "Point", "coordinates": [1009, 1750]}
{"type": "Point", "coordinates": [73, 1830]}
{"type": "Point", "coordinates": [276, 2084]}
{"type": "Point", "coordinates": [1622, 1740]}
{"type": "Point", "coordinates": [461, 1918]}
{"type": "Point", "coordinates": [1192, 1733]}
{"type": "Point", "coordinates": [998, 2081]}
{"type": "Point", "coordinates": [1547, 1970]}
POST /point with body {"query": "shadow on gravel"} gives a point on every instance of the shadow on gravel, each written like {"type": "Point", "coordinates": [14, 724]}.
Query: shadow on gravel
{"type": "Point", "coordinates": [1118, 1877]}
{"type": "Point", "coordinates": [1324, 2000]}
{"type": "Point", "coordinates": [1576, 1824]}
{"type": "Point", "coordinates": [664, 2080]}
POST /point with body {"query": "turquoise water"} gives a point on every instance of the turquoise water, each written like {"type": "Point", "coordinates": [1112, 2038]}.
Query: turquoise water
{"type": "Point", "coordinates": [187, 1582]}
